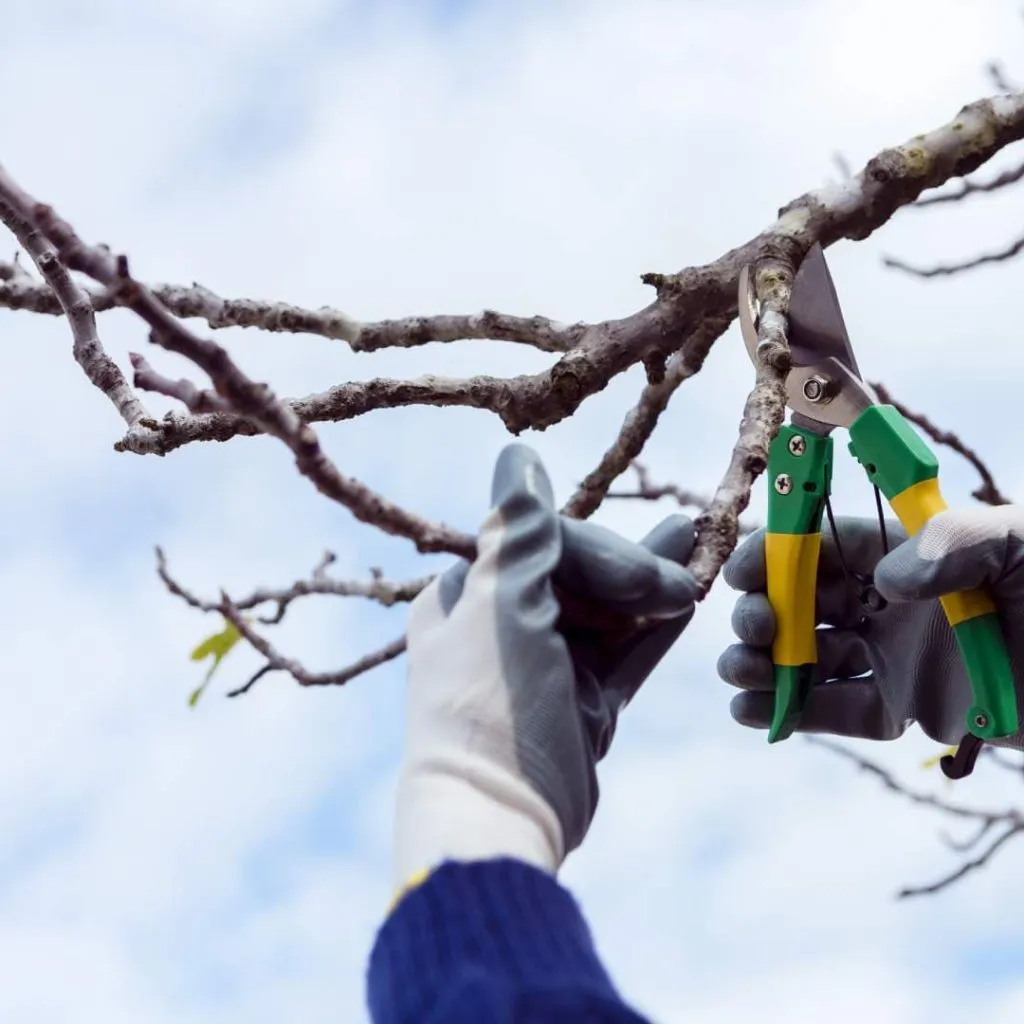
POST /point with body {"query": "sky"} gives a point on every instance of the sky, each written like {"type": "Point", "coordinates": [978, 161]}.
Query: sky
{"type": "Point", "coordinates": [230, 863]}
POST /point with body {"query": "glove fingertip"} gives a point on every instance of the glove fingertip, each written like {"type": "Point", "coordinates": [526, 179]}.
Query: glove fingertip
{"type": "Point", "coordinates": [753, 710]}
{"type": "Point", "coordinates": [745, 568]}
{"type": "Point", "coordinates": [753, 620]}
{"type": "Point", "coordinates": [746, 667]}
{"type": "Point", "coordinates": [519, 470]}
{"type": "Point", "coordinates": [902, 575]}
{"type": "Point", "coordinates": [673, 538]}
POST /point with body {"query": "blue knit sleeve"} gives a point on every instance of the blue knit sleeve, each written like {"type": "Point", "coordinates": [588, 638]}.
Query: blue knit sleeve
{"type": "Point", "coordinates": [490, 941]}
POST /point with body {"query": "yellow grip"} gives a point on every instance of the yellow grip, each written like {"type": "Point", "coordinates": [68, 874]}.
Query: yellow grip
{"type": "Point", "coordinates": [792, 563]}
{"type": "Point", "coordinates": [914, 507]}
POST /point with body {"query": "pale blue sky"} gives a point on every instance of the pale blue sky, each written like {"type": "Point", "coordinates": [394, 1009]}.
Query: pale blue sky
{"type": "Point", "coordinates": [230, 864]}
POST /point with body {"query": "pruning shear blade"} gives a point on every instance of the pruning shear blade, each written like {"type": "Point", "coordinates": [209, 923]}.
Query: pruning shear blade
{"type": "Point", "coordinates": [824, 388]}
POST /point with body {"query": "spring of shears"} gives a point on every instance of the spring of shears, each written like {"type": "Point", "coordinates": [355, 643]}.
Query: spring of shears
{"type": "Point", "coordinates": [861, 584]}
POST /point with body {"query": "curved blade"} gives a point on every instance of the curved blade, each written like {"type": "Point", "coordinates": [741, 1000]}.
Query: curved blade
{"type": "Point", "coordinates": [749, 313]}
{"type": "Point", "coordinates": [816, 327]}
{"type": "Point", "coordinates": [819, 343]}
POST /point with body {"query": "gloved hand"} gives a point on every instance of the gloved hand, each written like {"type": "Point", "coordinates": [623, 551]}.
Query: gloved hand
{"type": "Point", "coordinates": [506, 718]}
{"type": "Point", "coordinates": [880, 671]}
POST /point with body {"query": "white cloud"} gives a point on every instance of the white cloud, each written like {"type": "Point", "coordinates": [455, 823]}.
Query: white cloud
{"type": "Point", "coordinates": [229, 864]}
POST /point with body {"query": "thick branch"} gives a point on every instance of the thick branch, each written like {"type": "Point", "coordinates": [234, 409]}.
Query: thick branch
{"type": "Point", "coordinates": [988, 492]}
{"type": "Point", "coordinates": [851, 209]}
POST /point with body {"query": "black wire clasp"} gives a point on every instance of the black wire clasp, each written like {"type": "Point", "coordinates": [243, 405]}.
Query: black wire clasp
{"type": "Point", "coordinates": [961, 764]}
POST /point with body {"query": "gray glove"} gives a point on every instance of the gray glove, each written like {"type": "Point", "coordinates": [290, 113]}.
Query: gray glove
{"type": "Point", "coordinates": [506, 715]}
{"type": "Point", "coordinates": [880, 671]}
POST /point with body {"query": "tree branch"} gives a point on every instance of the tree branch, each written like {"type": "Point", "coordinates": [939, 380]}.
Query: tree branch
{"type": "Point", "coordinates": [685, 301]}
{"type": "Point", "coordinates": [277, 662]}
{"type": "Point", "coordinates": [965, 868]}
{"type": "Point", "coordinates": [648, 491]}
{"type": "Point", "coordinates": [378, 589]}
{"type": "Point", "coordinates": [763, 413]}
{"type": "Point", "coordinates": [22, 291]}
{"type": "Point", "coordinates": [88, 350]}
{"type": "Point", "coordinates": [948, 269]}
{"type": "Point", "coordinates": [642, 419]}
{"type": "Point", "coordinates": [252, 400]}
{"type": "Point", "coordinates": [1011, 819]}
{"type": "Point", "coordinates": [988, 492]}
{"type": "Point", "coordinates": [968, 187]}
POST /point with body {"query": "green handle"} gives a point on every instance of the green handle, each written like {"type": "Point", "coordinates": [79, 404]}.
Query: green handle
{"type": "Point", "coordinates": [983, 647]}
{"type": "Point", "coordinates": [799, 476]}
{"type": "Point", "coordinates": [906, 471]}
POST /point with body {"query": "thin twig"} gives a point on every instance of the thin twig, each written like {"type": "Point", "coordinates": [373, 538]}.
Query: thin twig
{"type": "Point", "coordinates": [1012, 819]}
{"type": "Point", "coordinates": [1014, 248]}
{"type": "Point", "coordinates": [279, 663]}
{"type": "Point", "coordinates": [923, 799]}
{"type": "Point", "coordinates": [22, 291]}
{"type": "Point", "coordinates": [965, 868]}
{"type": "Point", "coordinates": [73, 301]}
{"type": "Point", "coordinates": [999, 78]}
{"type": "Point", "coordinates": [648, 491]}
{"type": "Point", "coordinates": [642, 419]}
{"type": "Point", "coordinates": [251, 400]}
{"type": "Point", "coordinates": [988, 492]}
{"type": "Point", "coordinates": [378, 589]}
{"type": "Point", "coordinates": [968, 187]}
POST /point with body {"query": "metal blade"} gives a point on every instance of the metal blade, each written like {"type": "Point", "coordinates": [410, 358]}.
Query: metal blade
{"type": "Point", "coordinates": [823, 359]}
{"type": "Point", "coordinates": [816, 327]}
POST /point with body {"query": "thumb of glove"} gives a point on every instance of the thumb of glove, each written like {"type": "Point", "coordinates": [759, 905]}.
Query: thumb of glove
{"type": "Point", "coordinates": [954, 550]}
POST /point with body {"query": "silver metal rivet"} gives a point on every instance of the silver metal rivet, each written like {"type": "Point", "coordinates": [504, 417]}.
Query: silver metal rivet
{"type": "Point", "coordinates": [980, 721]}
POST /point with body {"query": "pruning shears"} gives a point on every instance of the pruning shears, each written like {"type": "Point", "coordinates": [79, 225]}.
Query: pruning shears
{"type": "Point", "coordinates": [824, 390]}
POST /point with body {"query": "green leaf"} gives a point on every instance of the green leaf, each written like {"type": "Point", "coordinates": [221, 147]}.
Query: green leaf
{"type": "Point", "coordinates": [217, 647]}
{"type": "Point", "coordinates": [932, 762]}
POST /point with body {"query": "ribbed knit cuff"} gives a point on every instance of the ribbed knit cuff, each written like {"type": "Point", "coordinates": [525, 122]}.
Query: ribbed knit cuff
{"type": "Point", "coordinates": [498, 918]}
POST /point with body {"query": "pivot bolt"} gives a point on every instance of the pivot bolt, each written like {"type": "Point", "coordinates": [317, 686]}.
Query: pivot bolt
{"type": "Point", "coordinates": [797, 445]}
{"type": "Point", "coordinates": [783, 483]}
{"type": "Point", "coordinates": [816, 389]}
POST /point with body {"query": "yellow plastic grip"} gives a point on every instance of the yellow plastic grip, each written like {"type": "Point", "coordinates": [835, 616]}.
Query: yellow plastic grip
{"type": "Point", "coordinates": [914, 507]}
{"type": "Point", "coordinates": [791, 560]}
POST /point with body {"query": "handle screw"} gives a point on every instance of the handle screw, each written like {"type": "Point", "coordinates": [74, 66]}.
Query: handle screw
{"type": "Point", "coordinates": [783, 483]}
{"type": "Point", "coordinates": [797, 445]}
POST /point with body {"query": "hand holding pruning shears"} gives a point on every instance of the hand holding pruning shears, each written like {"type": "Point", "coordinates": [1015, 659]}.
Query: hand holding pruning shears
{"type": "Point", "coordinates": [891, 654]}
